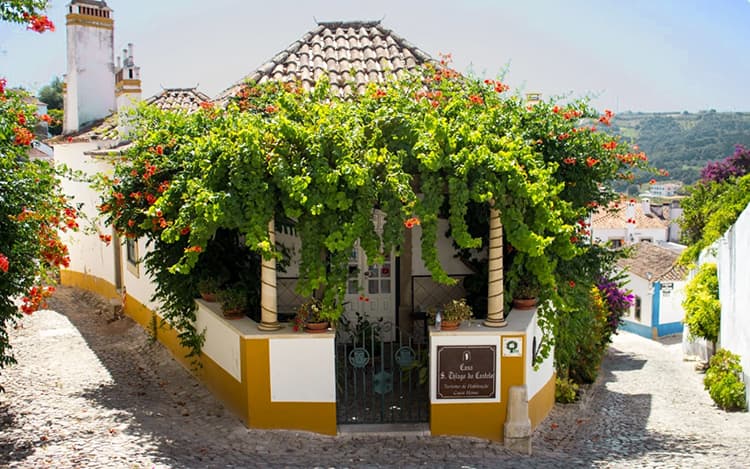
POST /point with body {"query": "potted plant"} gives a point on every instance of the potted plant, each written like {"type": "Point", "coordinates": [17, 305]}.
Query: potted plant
{"type": "Point", "coordinates": [233, 302]}
{"type": "Point", "coordinates": [208, 286]}
{"type": "Point", "coordinates": [308, 317]}
{"type": "Point", "coordinates": [454, 312]}
{"type": "Point", "coordinates": [526, 293]}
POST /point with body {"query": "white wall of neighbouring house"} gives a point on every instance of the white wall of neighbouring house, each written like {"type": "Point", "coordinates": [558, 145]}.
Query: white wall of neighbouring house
{"type": "Point", "coordinates": [734, 292]}
{"type": "Point", "coordinates": [88, 254]}
{"type": "Point", "coordinates": [641, 288]}
{"type": "Point", "coordinates": [670, 302]}
{"type": "Point", "coordinates": [446, 252]}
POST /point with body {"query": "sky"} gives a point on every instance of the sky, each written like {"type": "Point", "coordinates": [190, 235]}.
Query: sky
{"type": "Point", "coordinates": [637, 55]}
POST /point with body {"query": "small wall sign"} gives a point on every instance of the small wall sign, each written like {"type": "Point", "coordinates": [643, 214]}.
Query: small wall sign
{"type": "Point", "coordinates": [512, 346]}
{"type": "Point", "coordinates": [466, 371]}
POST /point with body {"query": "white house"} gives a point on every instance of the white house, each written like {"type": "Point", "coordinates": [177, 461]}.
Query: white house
{"type": "Point", "coordinates": [243, 363]}
{"type": "Point", "coordinates": [658, 283]}
{"type": "Point", "coordinates": [630, 221]}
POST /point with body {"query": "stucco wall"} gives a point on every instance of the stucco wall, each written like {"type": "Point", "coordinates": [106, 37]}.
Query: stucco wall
{"type": "Point", "coordinates": [88, 254]}
{"type": "Point", "coordinates": [734, 292]}
{"type": "Point", "coordinates": [640, 287]}
{"type": "Point", "coordinates": [446, 252]}
{"type": "Point", "coordinates": [670, 303]}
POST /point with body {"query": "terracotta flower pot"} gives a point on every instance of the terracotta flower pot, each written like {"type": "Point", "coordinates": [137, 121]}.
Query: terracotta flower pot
{"type": "Point", "coordinates": [446, 325]}
{"type": "Point", "coordinates": [316, 327]}
{"type": "Point", "coordinates": [236, 313]}
{"type": "Point", "coordinates": [210, 297]}
{"type": "Point", "coordinates": [524, 303]}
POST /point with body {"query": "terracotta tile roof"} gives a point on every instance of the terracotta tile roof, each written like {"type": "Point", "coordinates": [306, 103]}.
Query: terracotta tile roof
{"type": "Point", "coordinates": [352, 54]}
{"type": "Point", "coordinates": [659, 261]}
{"type": "Point", "coordinates": [170, 99]}
{"type": "Point", "coordinates": [178, 99]}
{"type": "Point", "coordinates": [616, 217]}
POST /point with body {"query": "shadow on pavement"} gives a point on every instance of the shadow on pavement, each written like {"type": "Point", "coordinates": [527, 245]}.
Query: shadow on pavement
{"type": "Point", "coordinates": [11, 448]}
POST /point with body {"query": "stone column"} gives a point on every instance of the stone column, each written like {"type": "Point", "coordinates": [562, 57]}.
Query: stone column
{"type": "Point", "coordinates": [268, 304]}
{"type": "Point", "coordinates": [517, 429]}
{"type": "Point", "coordinates": [495, 303]}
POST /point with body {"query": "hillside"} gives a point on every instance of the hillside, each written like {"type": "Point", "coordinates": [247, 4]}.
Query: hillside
{"type": "Point", "coordinates": [683, 143]}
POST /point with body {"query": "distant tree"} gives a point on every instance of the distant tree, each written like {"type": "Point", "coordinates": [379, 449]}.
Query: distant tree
{"type": "Point", "coordinates": [52, 94]}
{"type": "Point", "coordinates": [633, 189]}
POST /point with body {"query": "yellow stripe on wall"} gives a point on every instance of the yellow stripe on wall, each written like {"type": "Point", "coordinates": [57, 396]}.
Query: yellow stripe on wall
{"type": "Point", "coordinates": [541, 404]}
{"type": "Point", "coordinates": [319, 417]}
{"type": "Point", "coordinates": [230, 391]}
{"type": "Point", "coordinates": [483, 420]}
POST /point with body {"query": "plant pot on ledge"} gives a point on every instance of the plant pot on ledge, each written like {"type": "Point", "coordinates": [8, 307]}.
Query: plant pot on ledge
{"type": "Point", "coordinates": [448, 325]}
{"type": "Point", "coordinates": [233, 302]}
{"type": "Point", "coordinates": [524, 303]}
{"type": "Point", "coordinates": [316, 327]}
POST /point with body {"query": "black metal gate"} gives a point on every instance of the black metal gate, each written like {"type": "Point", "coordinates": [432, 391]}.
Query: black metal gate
{"type": "Point", "coordinates": [381, 374]}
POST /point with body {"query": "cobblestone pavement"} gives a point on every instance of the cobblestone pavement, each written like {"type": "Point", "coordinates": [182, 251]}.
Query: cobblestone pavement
{"type": "Point", "coordinates": [94, 392]}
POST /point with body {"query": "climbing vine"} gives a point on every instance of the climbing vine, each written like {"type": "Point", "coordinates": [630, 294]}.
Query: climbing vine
{"type": "Point", "coordinates": [410, 147]}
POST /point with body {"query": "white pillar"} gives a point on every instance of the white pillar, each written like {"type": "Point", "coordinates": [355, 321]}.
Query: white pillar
{"type": "Point", "coordinates": [268, 305]}
{"type": "Point", "coordinates": [495, 303]}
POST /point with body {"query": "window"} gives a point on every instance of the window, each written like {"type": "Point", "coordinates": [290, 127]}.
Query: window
{"type": "Point", "coordinates": [646, 240]}
{"type": "Point", "coordinates": [131, 249]}
{"type": "Point", "coordinates": [637, 307]}
{"type": "Point", "coordinates": [616, 243]}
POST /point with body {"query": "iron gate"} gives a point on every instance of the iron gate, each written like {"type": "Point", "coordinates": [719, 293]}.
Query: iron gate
{"type": "Point", "coordinates": [380, 381]}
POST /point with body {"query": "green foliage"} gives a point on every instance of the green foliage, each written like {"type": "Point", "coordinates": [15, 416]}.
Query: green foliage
{"type": "Point", "coordinates": [412, 147]}
{"type": "Point", "coordinates": [566, 390]}
{"type": "Point", "coordinates": [723, 381]}
{"type": "Point", "coordinates": [709, 211]}
{"type": "Point", "coordinates": [52, 94]}
{"type": "Point", "coordinates": [702, 305]}
{"type": "Point", "coordinates": [683, 143]}
{"type": "Point", "coordinates": [14, 10]}
{"type": "Point", "coordinates": [32, 208]}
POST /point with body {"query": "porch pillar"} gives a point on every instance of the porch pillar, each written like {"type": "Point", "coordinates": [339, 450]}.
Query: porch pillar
{"type": "Point", "coordinates": [268, 304]}
{"type": "Point", "coordinates": [495, 303]}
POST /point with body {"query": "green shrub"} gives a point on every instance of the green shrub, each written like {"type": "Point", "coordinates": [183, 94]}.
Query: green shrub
{"type": "Point", "coordinates": [566, 390]}
{"type": "Point", "coordinates": [724, 381]}
{"type": "Point", "coordinates": [702, 306]}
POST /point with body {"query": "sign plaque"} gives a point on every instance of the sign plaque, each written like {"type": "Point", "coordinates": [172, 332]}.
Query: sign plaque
{"type": "Point", "coordinates": [466, 371]}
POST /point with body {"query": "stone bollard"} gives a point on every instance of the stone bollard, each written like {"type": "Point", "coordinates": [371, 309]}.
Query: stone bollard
{"type": "Point", "coordinates": [517, 424]}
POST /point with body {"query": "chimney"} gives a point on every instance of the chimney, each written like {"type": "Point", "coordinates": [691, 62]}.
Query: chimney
{"type": "Point", "coordinates": [127, 89]}
{"type": "Point", "coordinates": [89, 81]}
{"type": "Point", "coordinates": [646, 206]}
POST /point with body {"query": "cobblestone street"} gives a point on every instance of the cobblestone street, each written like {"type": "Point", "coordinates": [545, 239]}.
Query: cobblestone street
{"type": "Point", "coordinates": [92, 392]}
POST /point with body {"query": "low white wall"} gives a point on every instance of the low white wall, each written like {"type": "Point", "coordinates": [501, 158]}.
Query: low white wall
{"type": "Point", "coordinates": [536, 379]}
{"type": "Point", "coordinates": [222, 343]}
{"type": "Point", "coordinates": [303, 369]}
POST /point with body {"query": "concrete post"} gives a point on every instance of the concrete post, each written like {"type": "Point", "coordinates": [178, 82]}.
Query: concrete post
{"type": "Point", "coordinates": [495, 303]}
{"type": "Point", "coordinates": [268, 304]}
{"type": "Point", "coordinates": [517, 428]}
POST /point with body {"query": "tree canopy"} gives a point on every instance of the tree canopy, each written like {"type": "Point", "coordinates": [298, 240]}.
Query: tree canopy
{"type": "Point", "coordinates": [410, 147]}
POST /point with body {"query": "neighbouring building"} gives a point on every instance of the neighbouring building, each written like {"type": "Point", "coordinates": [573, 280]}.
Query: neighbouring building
{"type": "Point", "coordinates": [630, 221]}
{"type": "Point", "coordinates": [247, 365]}
{"type": "Point", "coordinates": [658, 283]}
{"type": "Point", "coordinates": [664, 189]}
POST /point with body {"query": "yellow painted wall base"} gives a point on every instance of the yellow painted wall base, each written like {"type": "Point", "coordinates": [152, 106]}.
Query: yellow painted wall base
{"type": "Point", "coordinates": [249, 399]}
{"type": "Point", "coordinates": [319, 417]}
{"type": "Point", "coordinates": [483, 420]}
{"type": "Point", "coordinates": [230, 391]}
{"type": "Point", "coordinates": [541, 404]}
